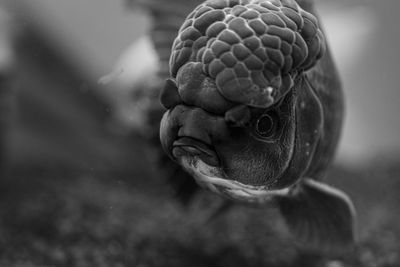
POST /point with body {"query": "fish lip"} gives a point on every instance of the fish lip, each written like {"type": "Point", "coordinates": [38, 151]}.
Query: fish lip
{"type": "Point", "coordinates": [192, 147]}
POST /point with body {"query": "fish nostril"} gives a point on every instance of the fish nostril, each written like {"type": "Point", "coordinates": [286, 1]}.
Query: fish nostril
{"type": "Point", "coordinates": [238, 116]}
{"type": "Point", "coordinates": [169, 96]}
{"type": "Point", "coordinates": [196, 123]}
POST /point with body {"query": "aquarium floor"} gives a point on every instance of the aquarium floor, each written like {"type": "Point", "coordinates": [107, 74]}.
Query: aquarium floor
{"type": "Point", "coordinates": [66, 219]}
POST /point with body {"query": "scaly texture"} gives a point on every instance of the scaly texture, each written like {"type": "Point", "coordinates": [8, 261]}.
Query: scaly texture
{"type": "Point", "coordinates": [254, 49]}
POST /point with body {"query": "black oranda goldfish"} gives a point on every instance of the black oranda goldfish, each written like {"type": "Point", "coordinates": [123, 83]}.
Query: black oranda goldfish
{"type": "Point", "coordinates": [254, 112]}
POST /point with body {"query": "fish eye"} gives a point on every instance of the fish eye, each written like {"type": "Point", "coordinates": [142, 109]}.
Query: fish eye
{"type": "Point", "coordinates": [267, 124]}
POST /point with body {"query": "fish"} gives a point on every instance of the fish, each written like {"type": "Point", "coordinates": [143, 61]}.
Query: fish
{"type": "Point", "coordinates": [251, 109]}
{"type": "Point", "coordinates": [254, 112]}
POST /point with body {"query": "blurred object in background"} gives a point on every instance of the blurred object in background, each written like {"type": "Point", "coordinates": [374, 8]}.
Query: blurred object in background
{"type": "Point", "coordinates": [62, 113]}
{"type": "Point", "coordinates": [90, 35]}
{"type": "Point", "coordinates": [133, 86]}
{"type": "Point", "coordinates": [365, 40]}
{"type": "Point", "coordinates": [7, 32]}
{"type": "Point", "coordinates": [7, 81]}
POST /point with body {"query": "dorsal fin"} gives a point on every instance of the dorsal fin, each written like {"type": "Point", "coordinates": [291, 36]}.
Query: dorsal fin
{"type": "Point", "coordinates": [167, 17]}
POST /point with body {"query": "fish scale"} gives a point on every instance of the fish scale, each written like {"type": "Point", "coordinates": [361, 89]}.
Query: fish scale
{"type": "Point", "coordinates": [234, 31]}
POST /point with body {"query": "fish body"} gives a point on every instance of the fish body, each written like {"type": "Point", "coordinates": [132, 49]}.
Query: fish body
{"type": "Point", "coordinates": [255, 109]}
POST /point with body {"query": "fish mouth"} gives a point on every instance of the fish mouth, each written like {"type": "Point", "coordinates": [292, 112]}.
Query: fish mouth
{"type": "Point", "coordinates": [191, 147]}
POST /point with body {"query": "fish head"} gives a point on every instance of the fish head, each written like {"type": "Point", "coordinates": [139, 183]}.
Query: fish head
{"type": "Point", "coordinates": [241, 117]}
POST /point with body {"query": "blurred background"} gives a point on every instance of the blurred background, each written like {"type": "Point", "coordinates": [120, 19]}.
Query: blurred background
{"type": "Point", "coordinates": [80, 186]}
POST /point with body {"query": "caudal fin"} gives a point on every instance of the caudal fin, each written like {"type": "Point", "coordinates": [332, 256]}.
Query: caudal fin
{"type": "Point", "coordinates": [321, 217]}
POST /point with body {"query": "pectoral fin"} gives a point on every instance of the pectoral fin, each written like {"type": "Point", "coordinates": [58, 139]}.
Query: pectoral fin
{"type": "Point", "coordinates": [319, 216]}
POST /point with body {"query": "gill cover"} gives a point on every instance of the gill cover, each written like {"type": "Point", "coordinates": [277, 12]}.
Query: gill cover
{"type": "Point", "coordinates": [309, 119]}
